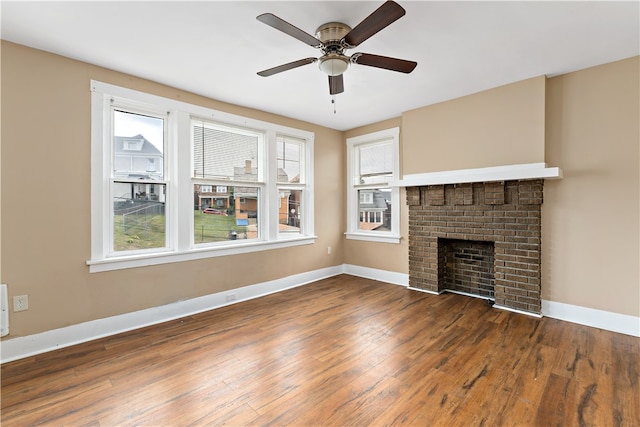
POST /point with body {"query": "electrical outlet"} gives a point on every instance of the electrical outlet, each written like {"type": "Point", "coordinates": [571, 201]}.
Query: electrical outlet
{"type": "Point", "coordinates": [20, 303]}
{"type": "Point", "coordinates": [328, 250]}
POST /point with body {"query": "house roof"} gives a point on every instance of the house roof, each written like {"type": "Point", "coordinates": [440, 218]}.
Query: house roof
{"type": "Point", "coordinates": [378, 202]}
{"type": "Point", "coordinates": [147, 147]}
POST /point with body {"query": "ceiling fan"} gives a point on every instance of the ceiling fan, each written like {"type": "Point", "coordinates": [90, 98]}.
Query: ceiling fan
{"type": "Point", "coordinates": [334, 38]}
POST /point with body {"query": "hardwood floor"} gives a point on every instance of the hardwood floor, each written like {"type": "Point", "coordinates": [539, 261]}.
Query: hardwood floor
{"type": "Point", "coordinates": [341, 351]}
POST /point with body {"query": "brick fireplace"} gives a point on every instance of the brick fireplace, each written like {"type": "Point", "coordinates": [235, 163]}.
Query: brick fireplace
{"type": "Point", "coordinates": [480, 238]}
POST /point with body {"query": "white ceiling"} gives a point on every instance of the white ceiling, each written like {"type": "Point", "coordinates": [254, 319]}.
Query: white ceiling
{"type": "Point", "coordinates": [215, 48]}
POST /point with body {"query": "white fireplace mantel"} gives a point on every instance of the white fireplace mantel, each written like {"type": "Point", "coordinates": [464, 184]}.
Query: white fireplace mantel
{"type": "Point", "coordinates": [496, 173]}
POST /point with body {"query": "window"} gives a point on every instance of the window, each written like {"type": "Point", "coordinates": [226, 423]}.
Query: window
{"type": "Point", "coordinates": [131, 144]}
{"type": "Point", "coordinates": [291, 184]}
{"type": "Point", "coordinates": [138, 214]}
{"type": "Point", "coordinates": [173, 181]}
{"type": "Point", "coordinates": [222, 154]}
{"type": "Point", "coordinates": [366, 197]}
{"type": "Point", "coordinates": [373, 202]}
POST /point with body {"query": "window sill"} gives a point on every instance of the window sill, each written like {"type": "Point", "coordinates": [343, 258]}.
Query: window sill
{"type": "Point", "coordinates": [373, 237]}
{"type": "Point", "coordinates": [144, 260]}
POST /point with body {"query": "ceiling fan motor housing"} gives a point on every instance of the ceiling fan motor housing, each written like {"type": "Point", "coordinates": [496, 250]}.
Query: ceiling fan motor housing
{"type": "Point", "coordinates": [332, 32]}
{"type": "Point", "coordinates": [334, 62]}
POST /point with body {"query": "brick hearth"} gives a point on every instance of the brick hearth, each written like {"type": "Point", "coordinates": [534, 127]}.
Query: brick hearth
{"type": "Point", "coordinates": [506, 214]}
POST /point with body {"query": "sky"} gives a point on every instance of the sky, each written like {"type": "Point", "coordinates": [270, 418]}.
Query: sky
{"type": "Point", "coordinates": [128, 124]}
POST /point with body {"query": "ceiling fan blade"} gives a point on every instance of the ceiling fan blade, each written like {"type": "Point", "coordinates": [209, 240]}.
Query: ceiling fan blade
{"type": "Point", "coordinates": [393, 64]}
{"type": "Point", "coordinates": [285, 67]}
{"type": "Point", "coordinates": [280, 24]}
{"type": "Point", "coordinates": [386, 14]}
{"type": "Point", "coordinates": [336, 85]}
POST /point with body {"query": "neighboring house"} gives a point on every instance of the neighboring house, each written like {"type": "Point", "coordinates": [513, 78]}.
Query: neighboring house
{"type": "Point", "coordinates": [289, 208]}
{"type": "Point", "coordinates": [212, 196]}
{"type": "Point", "coordinates": [375, 211]}
{"type": "Point", "coordinates": [246, 198]}
{"type": "Point", "coordinates": [137, 158]}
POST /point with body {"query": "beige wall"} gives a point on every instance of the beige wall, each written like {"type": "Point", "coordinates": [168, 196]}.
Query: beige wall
{"type": "Point", "coordinates": [590, 248]}
{"type": "Point", "coordinates": [496, 127]}
{"type": "Point", "coordinates": [586, 123]}
{"type": "Point", "coordinates": [46, 203]}
{"type": "Point", "coordinates": [383, 256]}
{"type": "Point", "coordinates": [590, 219]}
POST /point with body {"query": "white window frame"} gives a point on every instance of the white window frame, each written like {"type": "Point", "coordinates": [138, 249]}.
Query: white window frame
{"type": "Point", "coordinates": [179, 183]}
{"type": "Point", "coordinates": [353, 214]}
{"type": "Point", "coordinates": [303, 163]}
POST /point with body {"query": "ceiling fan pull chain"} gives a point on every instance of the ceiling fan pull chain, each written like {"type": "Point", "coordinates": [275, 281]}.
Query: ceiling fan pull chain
{"type": "Point", "coordinates": [333, 101]}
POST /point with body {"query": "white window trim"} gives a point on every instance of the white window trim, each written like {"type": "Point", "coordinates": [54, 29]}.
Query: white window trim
{"type": "Point", "coordinates": [179, 213]}
{"type": "Point", "coordinates": [353, 233]}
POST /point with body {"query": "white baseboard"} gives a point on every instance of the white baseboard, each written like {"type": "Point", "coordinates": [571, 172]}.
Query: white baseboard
{"type": "Point", "coordinates": [391, 277]}
{"type": "Point", "coordinates": [22, 347]}
{"type": "Point", "coordinates": [615, 322]}
{"type": "Point", "coordinates": [426, 291]}
{"type": "Point", "coordinates": [515, 310]}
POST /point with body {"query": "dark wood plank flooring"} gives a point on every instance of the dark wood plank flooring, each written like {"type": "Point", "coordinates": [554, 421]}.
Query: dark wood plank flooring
{"type": "Point", "coordinates": [341, 351]}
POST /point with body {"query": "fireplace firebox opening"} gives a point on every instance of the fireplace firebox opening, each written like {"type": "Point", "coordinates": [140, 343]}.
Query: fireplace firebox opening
{"type": "Point", "coordinates": [466, 267]}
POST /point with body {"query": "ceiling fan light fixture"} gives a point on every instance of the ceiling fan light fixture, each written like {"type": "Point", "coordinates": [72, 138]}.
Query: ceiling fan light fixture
{"type": "Point", "coordinates": [333, 65]}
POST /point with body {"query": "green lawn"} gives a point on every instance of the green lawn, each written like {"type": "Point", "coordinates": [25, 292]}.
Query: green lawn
{"type": "Point", "coordinates": [138, 232]}
{"type": "Point", "coordinates": [148, 231]}
{"type": "Point", "coordinates": [214, 228]}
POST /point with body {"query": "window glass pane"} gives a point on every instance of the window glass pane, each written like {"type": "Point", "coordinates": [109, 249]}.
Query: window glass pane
{"type": "Point", "coordinates": [138, 216]}
{"type": "Point", "coordinates": [290, 155]}
{"type": "Point", "coordinates": [222, 216]}
{"type": "Point", "coordinates": [289, 211]}
{"type": "Point", "coordinates": [375, 163]}
{"type": "Point", "coordinates": [138, 146]}
{"type": "Point", "coordinates": [224, 153]}
{"type": "Point", "coordinates": [374, 209]}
